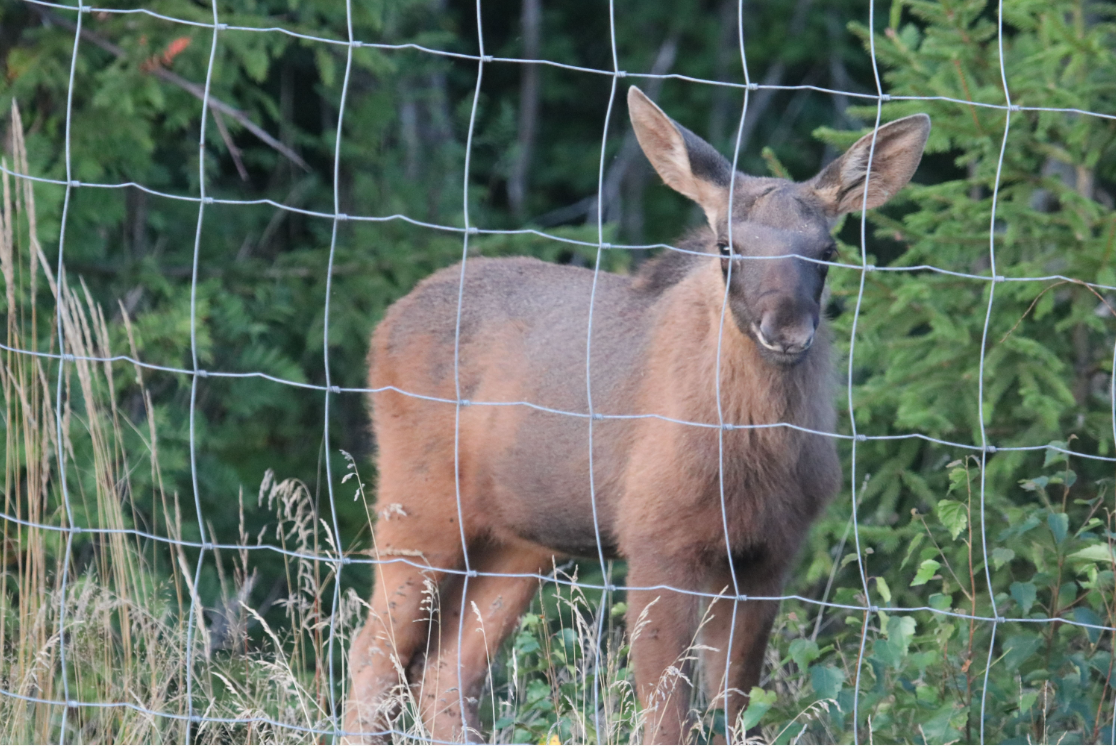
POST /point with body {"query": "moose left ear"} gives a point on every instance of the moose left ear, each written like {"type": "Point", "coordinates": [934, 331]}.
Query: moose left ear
{"type": "Point", "coordinates": [895, 157]}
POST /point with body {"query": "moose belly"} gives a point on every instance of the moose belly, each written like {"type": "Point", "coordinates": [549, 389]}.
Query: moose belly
{"type": "Point", "coordinates": [530, 480]}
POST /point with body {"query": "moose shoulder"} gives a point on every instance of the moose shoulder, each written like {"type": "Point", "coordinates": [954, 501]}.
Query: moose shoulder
{"type": "Point", "coordinates": [744, 295]}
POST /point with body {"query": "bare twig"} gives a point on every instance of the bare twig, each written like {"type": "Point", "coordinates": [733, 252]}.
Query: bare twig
{"type": "Point", "coordinates": [233, 150]}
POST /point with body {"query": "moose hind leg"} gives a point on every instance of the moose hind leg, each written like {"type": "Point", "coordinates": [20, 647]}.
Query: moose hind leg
{"type": "Point", "coordinates": [413, 560]}
{"type": "Point", "coordinates": [492, 608]}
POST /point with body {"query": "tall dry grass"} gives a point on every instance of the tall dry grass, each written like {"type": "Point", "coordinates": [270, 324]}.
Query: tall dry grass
{"type": "Point", "coordinates": [120, 620]}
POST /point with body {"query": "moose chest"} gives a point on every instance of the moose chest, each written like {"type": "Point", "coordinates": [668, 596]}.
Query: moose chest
{"type": "Point", "coordinates": [684, 486]}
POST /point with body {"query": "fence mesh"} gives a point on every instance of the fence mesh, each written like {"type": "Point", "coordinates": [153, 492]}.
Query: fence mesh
{"type": "Point", "coordinates": [336, 557]}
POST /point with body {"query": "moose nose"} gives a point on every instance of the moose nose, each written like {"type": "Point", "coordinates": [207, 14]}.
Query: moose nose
{"type": "Point", "coordinates": [789, 339]}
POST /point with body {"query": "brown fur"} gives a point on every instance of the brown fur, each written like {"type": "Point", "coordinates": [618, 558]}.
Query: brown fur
{"type": "Point", "coordinates": [524, 473]}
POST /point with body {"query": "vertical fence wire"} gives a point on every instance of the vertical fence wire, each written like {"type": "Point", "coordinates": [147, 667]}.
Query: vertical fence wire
{"type": "Point", "coordinates": [470, 571]}
{"type": "Point", "coordinates": [593, 415]}
{"type": "Point", "coordinates": [195, 611]}
{"type": "Point", "coordinates": [603, 605]}
{"type": "Point", "coordinates": [726, 681]}
{"type": "Point", "coordinates": [337, 218]}
{"type": "Point", "coordinates": [983, 352]}
{"type": "Point", "coordinates": [864, 269]}
{"type": "Point", "coordinates": [1112, 411]}
{"type": "Point", "coordinates": [60, 312]}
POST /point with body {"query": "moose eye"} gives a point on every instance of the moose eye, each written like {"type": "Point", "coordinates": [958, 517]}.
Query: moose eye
{"type": "Point", "coordinates": [829, 254]}
{"type": "Point", "coordinates": [724, 248]}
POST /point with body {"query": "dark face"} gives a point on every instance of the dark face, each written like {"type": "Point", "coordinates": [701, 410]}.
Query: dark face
{"type": "Point", "coordinates": [774, 269]}
{"type": "Point", "coordinates": [780, 229]}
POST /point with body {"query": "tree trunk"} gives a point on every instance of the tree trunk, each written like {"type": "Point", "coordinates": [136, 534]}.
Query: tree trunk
{"type": "Point", "coordinates": [530, 22]}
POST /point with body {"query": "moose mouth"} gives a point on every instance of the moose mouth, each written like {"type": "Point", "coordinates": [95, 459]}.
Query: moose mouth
{"type": "Point", "coordinates": [782, 354]}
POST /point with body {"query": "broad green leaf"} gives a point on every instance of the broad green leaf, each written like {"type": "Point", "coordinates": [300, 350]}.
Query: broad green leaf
{"type": "Point", "coordinates": [958, 478]}
{"type": "Point", "coordinates": [885, 591]}
{"type": "Point", "coordinates": [1059, 526]}
{"type": "Point", "coordinates": [1024, 595]}
{"type": "Point", "coordinates": [1094, 553]}
{"type": "Point", "coordinates": [888, 652]}
{"type": "Point", "coordinates": [925, 571]}
{"type": "Point", "coordinates": [940, 727]}
{"type": "Point", "coordinates": [953, 515]}
{"type": "Point", "coordinates": [759, 702]}
{"type": "Point", "coordinates": [911, 549]}
{"type": "Point", "coordinates": [1086, 615]}
{"type": "Point", "coordinates": [1018, 649]}
{"type": "Point", "coordinates": [1053, 456]}
{"type": "Point", "coordinates": [1001, 556]}
{"type": "Point", "coordinates": [901, 629]}
{"type": "Point", "coordinates": [803, 652]}
{"type": "Point", "coordinates": [827, 681]}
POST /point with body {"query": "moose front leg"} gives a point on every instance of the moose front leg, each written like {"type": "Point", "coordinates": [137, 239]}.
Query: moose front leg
{"type": "Point", "coordinates": [662, 624]}
{"type": "Point", "coordinates": [753, 618]}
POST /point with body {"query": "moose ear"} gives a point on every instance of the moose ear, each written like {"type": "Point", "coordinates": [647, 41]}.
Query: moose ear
{"type": "Point", "coordinates": [688, 164]}
{"type": "Point", "coordinates": [895, 157]}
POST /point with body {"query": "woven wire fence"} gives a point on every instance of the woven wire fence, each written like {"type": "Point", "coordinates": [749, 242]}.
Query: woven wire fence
{"type": "Point", "coordinates": [339, 560]}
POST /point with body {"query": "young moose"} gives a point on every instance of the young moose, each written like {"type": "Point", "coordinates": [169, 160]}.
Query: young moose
{"type": "Point", "coordinates": [524, 473]}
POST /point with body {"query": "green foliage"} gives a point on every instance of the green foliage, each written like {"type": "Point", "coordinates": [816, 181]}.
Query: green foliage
{"type": "Point", "coordinates": [932, 349]}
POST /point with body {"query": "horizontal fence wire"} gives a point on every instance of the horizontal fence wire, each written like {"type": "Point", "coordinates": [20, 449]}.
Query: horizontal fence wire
{"type": "Point", "coordinates": [338, 559]}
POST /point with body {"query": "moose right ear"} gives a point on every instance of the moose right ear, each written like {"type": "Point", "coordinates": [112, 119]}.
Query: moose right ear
{"type": "Point", "coordinates": [688, 164]}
